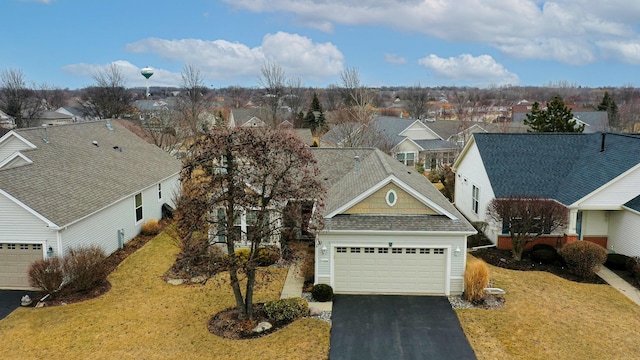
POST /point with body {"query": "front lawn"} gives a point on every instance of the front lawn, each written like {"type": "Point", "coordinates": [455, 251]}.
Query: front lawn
{"type": "Point", "coordinates": [547, 317]}
{"type": "Point", "coordinates": [142, 317]}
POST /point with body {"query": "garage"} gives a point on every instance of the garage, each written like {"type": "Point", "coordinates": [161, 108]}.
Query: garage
{"type": "Point", "coordinates": [15, 260]}
{"type": "Point", "coordinates": [391, 270]}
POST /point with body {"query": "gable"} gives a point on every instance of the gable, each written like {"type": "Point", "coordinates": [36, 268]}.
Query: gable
{"type": "Point", "coordinates": [614, 194]}
{"type": "Point", "coordinates": [376, 203]}
{"type": "Point", "coordinates": [407, 145]}
{"type": "Point", "coordinates": [15, 160]}
{"type": "Point", "coordinates": [418, 131]}
{"type": "Point", "coordinates": [11, 143]}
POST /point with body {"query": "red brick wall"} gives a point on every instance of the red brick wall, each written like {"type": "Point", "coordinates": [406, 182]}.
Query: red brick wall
{"type": "Point", "coordinates": [600, 240]}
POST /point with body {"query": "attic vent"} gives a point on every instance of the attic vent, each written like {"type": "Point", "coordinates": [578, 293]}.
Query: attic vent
{"type": "Point", "coordinates": [109, 126]}
{"type": "Point", "coordinates": [117, 148]}
{"type": "Point", "coordinates": [95, 143]}
{"type": "Point", "coordinates": [45, 135]}
{"type": "Point", "coordinates": [357, 159]}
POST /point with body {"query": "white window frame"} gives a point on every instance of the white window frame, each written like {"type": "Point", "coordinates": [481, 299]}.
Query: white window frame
{"type": "Point", "coordinates": [136, 207]}
{"type": "Point", "coordinates": [395, 198]}
{"type": "Point", "coordinates": [475, 198]}
{"type": "Point", "coordinates": [159, 192]}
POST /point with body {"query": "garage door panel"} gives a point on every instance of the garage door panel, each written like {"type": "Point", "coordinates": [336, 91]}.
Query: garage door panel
{"type": "Point", "coordinates": [15, 260]}
{"type": "Point", "coordinates": [395, 270]}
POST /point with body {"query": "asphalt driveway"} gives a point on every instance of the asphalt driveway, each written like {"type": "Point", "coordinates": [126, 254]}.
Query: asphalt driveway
{"type": "Point", "coordinates": [377, 327]}
{"type": "Point", "coordinates": [10, 300]}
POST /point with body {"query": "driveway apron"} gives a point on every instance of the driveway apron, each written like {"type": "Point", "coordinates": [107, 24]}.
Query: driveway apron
{"type": "Point", "coordinates": [376, 327]}
{"type": "Point", "coordinates": [10, 300]}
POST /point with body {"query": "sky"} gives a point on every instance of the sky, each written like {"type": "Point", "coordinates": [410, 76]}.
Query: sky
{"type": "Point", "coordinates": [488, 43]}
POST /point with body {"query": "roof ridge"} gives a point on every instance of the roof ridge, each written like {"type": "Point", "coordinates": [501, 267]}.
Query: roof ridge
{"type": "Point", "coordinates": [385, 165]}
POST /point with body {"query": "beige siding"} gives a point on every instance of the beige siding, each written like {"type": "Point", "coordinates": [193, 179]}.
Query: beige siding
{"type": "Point", "coordinates": [11, 145]}
{"type": "Point", "coordinates": [418, 132]}
{"type": "Point", "coordinates": [376, 204]}
{"type": "Point", "coordinates": [19, 225]}
{"type": "Point", "coordinates": [595, 223]}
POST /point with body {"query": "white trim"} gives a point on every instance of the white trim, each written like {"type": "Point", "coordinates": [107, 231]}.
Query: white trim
{"type": "Point", "coordinates": [19, 137]}
{"type": "Point", "coordinates": [606, 185]}
{"type": "Point", "coordinates": [396, 232]}
{"type": "Point", "coordinates": [391, 178]}
{"type": "Point", "coordinates": [13, 156]}
{"type": "Point", "coordinates": [424, 126]}
{"type": "Point", "coordinates": [28, 209]}
{"type": "Point", "coordinates": [135, 208]}
{"type": "Point", "coordinates": [449, 253]}
{"type": "Point", "coordinates": [631, 210]}
{"type": "Point", "coordinates": [407, 139]}
{"type": "Point", "coordinates": [395, 198]}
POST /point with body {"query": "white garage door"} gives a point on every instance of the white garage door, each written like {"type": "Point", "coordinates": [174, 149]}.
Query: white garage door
{"type": "Point", "coordinates": [15, 260]}
{"type": "Point", "coordinates": [390, 270]}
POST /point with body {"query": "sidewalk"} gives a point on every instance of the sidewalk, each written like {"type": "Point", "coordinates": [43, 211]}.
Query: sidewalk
{"type": "Point", "coordinates": [619, 284]}
{"type": "Point", "coordinates": [293, 288]}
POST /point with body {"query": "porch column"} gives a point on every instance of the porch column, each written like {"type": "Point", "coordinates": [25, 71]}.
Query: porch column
{"type": "Point", "coordinates": [571, 234]}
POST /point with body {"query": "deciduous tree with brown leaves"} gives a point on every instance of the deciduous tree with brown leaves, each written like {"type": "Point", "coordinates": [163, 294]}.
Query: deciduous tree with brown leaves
{"type": "Point", "coordinates": [527, 218]}
{"type": "Point", "coordinates": [249, 173]}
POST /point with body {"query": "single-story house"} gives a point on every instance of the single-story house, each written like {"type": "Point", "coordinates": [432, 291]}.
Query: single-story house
{"type": "Point", "coordinates": [91, 183]}
{"type": "Point", "coordinates": [595, 175]}
{"type": "Point", "coordinates": [387, 230]}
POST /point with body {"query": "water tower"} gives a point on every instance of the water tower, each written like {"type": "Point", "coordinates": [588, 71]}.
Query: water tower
{"type": "Point", "coordinates": [147, 72]}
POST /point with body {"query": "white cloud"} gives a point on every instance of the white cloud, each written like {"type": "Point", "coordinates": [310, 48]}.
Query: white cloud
{"type": "Point", "coordinates": [624, 51]}
{"type": "Point", "coordinates": [569, 31]}
{"type": "Point", "coordinates": [482, 70]}
{"type": "Point", "coordinates": [130, 72]}
{"type": "Point", "coordinates": [394, 59]}
{"type": "Point", "coordinates": [225, 61]}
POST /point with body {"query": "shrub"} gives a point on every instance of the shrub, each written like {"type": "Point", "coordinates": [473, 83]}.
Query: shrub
{"type": "Point", "coordinates": [476, 279]}
{"type": "Point", "coordinates": [46, 274]}
{"type": "Point", "coordinates": [322, 292]}
{"type": "Point", "coordinates": [543, 247]}
{"type": "Point", "coordinates": [242, 255]}
{"type": "Point", "coordinates": [617, 261]}
{"type": "Point", "coordinates": [308, 269]}
{"type": "Point", "coordinates": [83, 268]}
{"type": "Point", "coordinates": [287, 309]}
{"type": "Point", "coordinates": [544, 255]}
{"type": "Point", "coordinates": [633, 267]}
{"type": "Point", "coordinates": [151, 227]}
{"type": "Point", "coordinates": [268, 256]}
{"type": "Point", "coordinates": [584, 258]}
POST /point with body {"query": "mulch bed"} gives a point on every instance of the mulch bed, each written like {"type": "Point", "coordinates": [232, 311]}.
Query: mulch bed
{"type": "Point", "coordinates": [227, 325]}
{"type": "Point", "coordinates": [504, 259]}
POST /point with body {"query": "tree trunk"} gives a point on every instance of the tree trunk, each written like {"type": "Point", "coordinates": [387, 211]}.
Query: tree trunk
{"type": "Point", "coordinates": [517, 247]}
{"type": "Point", "coordinates": [235, 285]}
{"type": "Point", "coordinates": [251, 280]}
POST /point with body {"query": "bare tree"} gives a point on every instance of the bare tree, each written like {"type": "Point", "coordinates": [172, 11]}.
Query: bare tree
{"type": "Point", "coordinates": [273, 80]}
{"type": "Point", "coordinates": [527, 218]}
{"type": "Point", "coordinates": [242, 173]}
{"type": "Point", "coordinates": [416, 97]}
{"type": "Point", "coordinates": [108, 98]}
{"type": "Point", "coordinates": [237, 96]}
{"type": "Point", "coordinates": [193, 104]}
{"type": "Point", "coordinates": [295, 98]}
{"type": "Point", "coordinates": [17, 100]}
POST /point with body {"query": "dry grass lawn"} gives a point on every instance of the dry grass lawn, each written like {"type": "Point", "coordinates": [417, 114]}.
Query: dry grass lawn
{"type": "Point", "coordinates": [547, 317]}
{"type": "Point", "coordinates": [142, 317]}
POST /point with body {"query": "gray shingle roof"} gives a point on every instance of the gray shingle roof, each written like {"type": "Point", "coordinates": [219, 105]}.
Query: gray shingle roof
{"type": "Point", "coordinates": [344, 184]}
{"type": "Point", "coordinates": [71, 178]}
{"type": "Point", "coordinates": [596, 120]}
{"type": "Point", "coordinates": [560, 166]}
{"type": "Point", "coordinates": [634, 204]}
{"type": "Point", "coordinates": [396, 223]}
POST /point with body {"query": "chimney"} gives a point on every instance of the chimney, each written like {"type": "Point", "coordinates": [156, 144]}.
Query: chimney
{"type": "Point", "coordinates": [357, 159]}
{"type": "Point", "coordinates": [603, 142]}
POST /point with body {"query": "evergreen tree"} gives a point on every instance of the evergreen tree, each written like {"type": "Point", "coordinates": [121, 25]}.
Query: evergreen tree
{"type": "Point", "coordinates": [315, 116]}
{"type": "Point", "coordinates": [556, 117]}
{"type": "Point", "coordinates": [609, 105]}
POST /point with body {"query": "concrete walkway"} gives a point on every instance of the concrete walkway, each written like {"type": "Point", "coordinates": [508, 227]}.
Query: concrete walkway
{"type": "Point", "coordinates": [618, 283]}
{"type": "Point", "coordinates": [293, 288]}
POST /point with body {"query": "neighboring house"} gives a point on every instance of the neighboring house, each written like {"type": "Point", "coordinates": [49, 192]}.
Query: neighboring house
{"type": "Point", "coordinates": [75, 113]}
{"type": "Point", "coordinates": [387, 229]}
{"type": "Point", "coordinates": [257, 117]}
{"type": "Point", "coordinates": [596, 176]}
{"type": "Point", "coordinates": [593, 121]}
{"type": "Point", "coordinates": [91, 183]}
{"type": "Point", "coordinates": [51, 118]}
{"type": "Point", "coordinates": [6, 121]}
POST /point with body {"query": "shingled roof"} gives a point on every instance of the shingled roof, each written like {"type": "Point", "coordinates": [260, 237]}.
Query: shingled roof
{"type": "Point", "coordinates": [561, 166]}
{"type": "Point", "coordinates": [71, 178]}
{"type": "Point", "coordinates": [344, 184]}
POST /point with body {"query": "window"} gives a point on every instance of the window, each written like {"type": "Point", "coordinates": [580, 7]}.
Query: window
{"type": "Point", "coordinates": [383, 250]}
{"type": "Point", "coordinates": [355, 250]}
{"type": "Point", "coordinates": [438, 251]}
{"type": "Point", "coordinates": [410, 251]}
{"type": "Point", "coordinates": [11, 246]}
{"type": "Point", "coordinates": [369, 250]}
{"type": "Point", "coordinates": [24, 246]}
{"type": "Point", "coordinates": [396, 251]}
{"type": "Point", "coordinates": [425, 251]}
{"type": "Point", "coordinates": [159, 192]}
{"type": "Point", "coordinates": [541, 223]}
{"type": "Point", "coordinates": [341, 249]}
{"type": "Point", "coordinates": [475, 195]}
{"type": "Point", "coordinates": [37, 246]}
{"type": "Point", "coordinates": [391, 198]}
{"type": "Point", "coordinates": [138, 207]}
{"type": "Point", "coordinates": [407, 158]}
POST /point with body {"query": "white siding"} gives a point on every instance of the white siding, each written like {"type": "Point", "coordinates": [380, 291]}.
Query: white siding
{"type": "Point", "coordinates": [407, 146]}
{"type": "Point", "coordinates": [595, 223]}
{"type": "Point", "coordinates": [101, 228]}
{"type": "Point", "coordinates": [324, 267]}
{"type": "Point", "coordinates": [20, 226]}
{"type": "Point", "coordinates": [471, 172]}
{"type": "Point", "coordinates": [624, 233]}
{"type": "Point", "coordinates": [419, 132]}
{"type": "Point", "coordinates": [614, 194]}
{"type": "Point", "coordinates": [11, 145]}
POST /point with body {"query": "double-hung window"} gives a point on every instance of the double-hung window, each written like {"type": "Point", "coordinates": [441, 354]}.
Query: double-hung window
{"type": "Point", "coordinates": [138, 207]}
{"type": "Point", "coordinates": [475, 195]}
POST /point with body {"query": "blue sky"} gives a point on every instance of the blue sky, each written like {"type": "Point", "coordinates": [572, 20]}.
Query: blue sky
{"type": "Point", "coordinates": [391, 42]}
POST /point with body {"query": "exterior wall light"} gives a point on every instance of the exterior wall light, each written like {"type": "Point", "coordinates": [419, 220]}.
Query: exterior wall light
{"type": "Point", "coordinates": [457, 251]}
{"type": "Point", "coordinates": [49, 251]}
{"type": "Point", "coordinates": [324, 249]}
